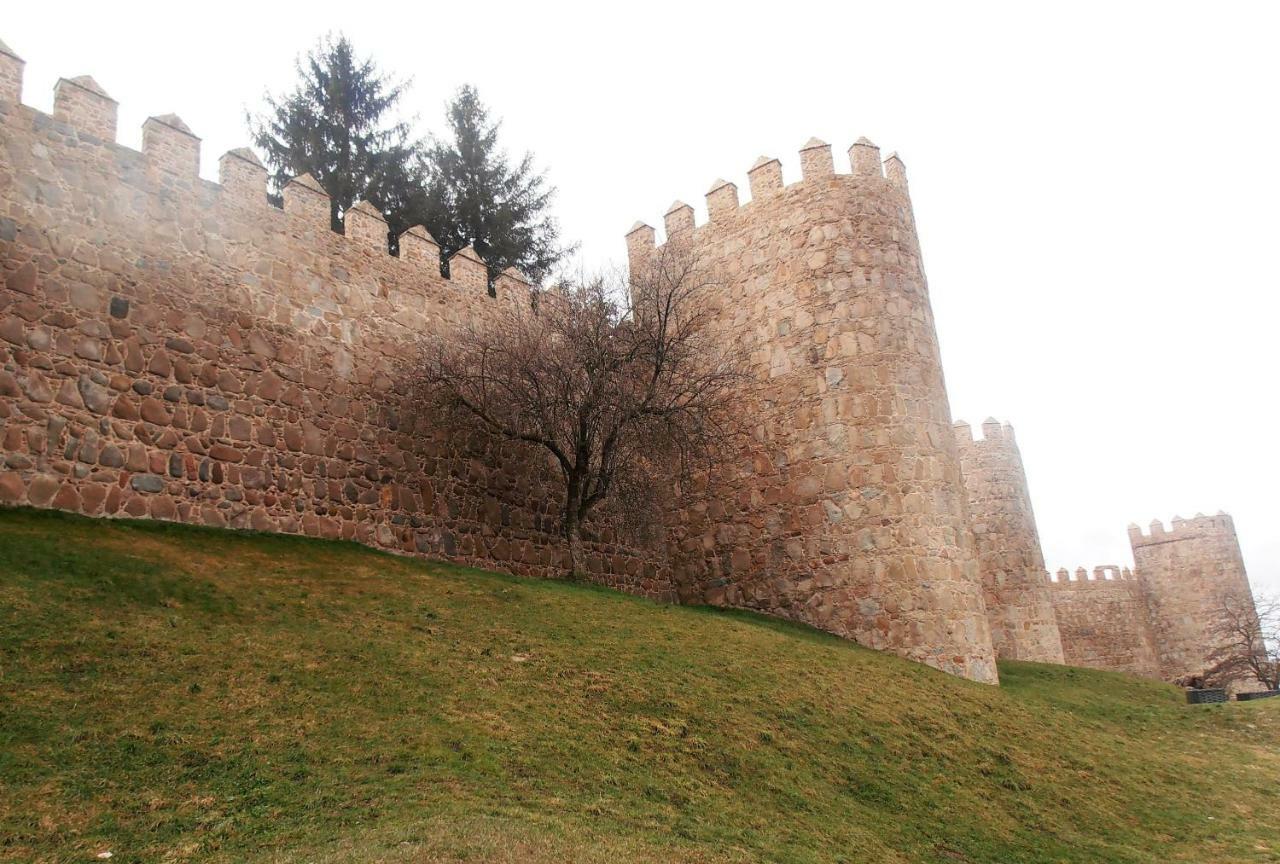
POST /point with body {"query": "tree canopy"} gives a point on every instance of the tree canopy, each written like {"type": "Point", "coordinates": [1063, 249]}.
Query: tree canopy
{"type": "Point", "coordinates": [475, 196]}
{"type": "Point", "coordinates": [337, 126]}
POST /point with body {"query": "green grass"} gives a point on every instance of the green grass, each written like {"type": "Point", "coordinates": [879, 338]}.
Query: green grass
{"type": "Point", "coordinates": [170, 694]}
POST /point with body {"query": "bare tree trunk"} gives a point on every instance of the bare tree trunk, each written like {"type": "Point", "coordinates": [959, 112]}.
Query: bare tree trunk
{"type": "Point", "coordinates": [619, 395]}
{"type": "Point", "coordinates": [576, 564]}
{"type": "Point", "coordinates": [573, 533]}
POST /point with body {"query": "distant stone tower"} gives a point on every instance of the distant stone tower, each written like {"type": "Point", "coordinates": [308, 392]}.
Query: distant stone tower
{"type": "Point", "coordinates": [1019, 605]}
{"type": "Point", "coordinates": [848, 511]}
{"type": "Point", "coordinates": [1186, 572]}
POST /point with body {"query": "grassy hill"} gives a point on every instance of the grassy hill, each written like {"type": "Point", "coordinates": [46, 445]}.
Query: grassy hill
{"type": "Point", "coordinates": [173, 694]}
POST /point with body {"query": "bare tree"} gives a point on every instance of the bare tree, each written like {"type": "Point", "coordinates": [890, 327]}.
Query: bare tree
{"type": "Point", "coordinates": [621, 381]}
{"type": "Point", "coordinates": [1249, 640]}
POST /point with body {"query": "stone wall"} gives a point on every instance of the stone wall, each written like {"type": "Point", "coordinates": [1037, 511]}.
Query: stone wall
{"type": "Point", "coordinates": [1187, 570]}
{"type": "Point", "coordinates": [847, 509]}
{"type": "Point", "coordinates": [1103, 621]}
{"type": "Point", "coordinates": [1160, 620]}
{"type": "Point", "coordinates": [1019, 605]}
{"type": "Point", "coordinates": [178, 349]}
{"type": "Point", "coordinates": [10, 74]}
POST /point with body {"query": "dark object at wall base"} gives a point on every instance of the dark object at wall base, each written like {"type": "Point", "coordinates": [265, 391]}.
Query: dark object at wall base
{"type": "Point", "coordinates": [1204, 697]}
{"type": "Point", "coordinates": [1261, 694]}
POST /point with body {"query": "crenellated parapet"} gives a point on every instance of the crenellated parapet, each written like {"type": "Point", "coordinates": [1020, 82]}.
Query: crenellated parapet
{"type": "Point", "coordinates": [765, 178]}
{"type": "Point", "coordinates": [417, 245]}
{"type": "Point", "coordinates": [467, 271]}
{"type": "Point", "coordinates": [1099, 574]}
{"type": "Point", "coordinates": [992, 431]}
{"type": "Point", "coordinates": [81, 103]}
{"type": "Point", "coordinates": [179, 349]}
{"type": "Point", "coordinates": [1104, 620]}
{"type": "Point", "coordinates": [84, 115]}
{"type": "Point", "coordinates": [365, 226]}
{"type": "Point", "coordinates": [765, 181]}
{"type": "Point", "coordinates": [815, 160]}
{"type": "Point", "coordinates": [171, 147]}
{"type": "Point", "coordinates": [243, 177]}
{"type": "Point", "coordinates": [1182, 529]}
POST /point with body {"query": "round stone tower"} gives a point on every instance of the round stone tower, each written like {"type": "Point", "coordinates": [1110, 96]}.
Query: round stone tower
{"type": "Point", "coordinates": [847, 509]}
{"type": "Point", "coordinates": [1015, 585]}
{"type": "Point", "coordinates": [1189, 571]}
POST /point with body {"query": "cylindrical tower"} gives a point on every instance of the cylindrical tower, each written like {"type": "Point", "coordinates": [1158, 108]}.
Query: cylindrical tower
{"type": "Point", "coordinates": [847, 511]}
{"type": "Point", "coordinates": [1190, 572]}
{"type": "Point", "coordinates": [1010, 562]}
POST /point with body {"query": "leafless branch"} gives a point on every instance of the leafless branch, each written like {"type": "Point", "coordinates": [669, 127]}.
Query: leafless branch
{"type": "Point", "coordinates": [620, 380]}
{"type": "Point", "coordinates": [1248, 634]}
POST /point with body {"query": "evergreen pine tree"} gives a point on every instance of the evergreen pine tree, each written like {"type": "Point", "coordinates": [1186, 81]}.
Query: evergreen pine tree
{"type": "Point", "coordinates": [335, 126]}
{"type": "Point", "coordinates": [474, 196]}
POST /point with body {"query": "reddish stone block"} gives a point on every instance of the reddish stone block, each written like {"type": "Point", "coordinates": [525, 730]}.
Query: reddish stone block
{"type": "Point", "coordinates": [67, 498]}
{"type": "Point", "coordinates": [226, 453]}
{"type": "Point", "coordinates": [240, 428]}
{"type": "Point", "coordinates": [11, 330]}
{"type": "Point", "coordinates": [160, 364]}
{"type": "Point", "coordinates": [22, 280]}
{"type": "Point", "coordinates": [163, 507]}
{"type": "Point", "coordinates": [36, 387]}
{"type": "Point", "coordinates": [125, 409]}
{"type": "Point", "coordinates": [42, 489]}
{"type": "Point", "coordinates": [12, 489]}
{"type": "Point", "coordinates": [92, 498]}
{"type": "Point", "coordinates": [154, 411]}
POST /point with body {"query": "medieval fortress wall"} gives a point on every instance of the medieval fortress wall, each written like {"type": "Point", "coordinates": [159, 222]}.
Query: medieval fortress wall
{"type": "Point", "coordinates": [847, 510]}
{"type": "Point", "coordinates": [178, 349]}
{"type": "Point", "coordinates": [1018, 598]}
{"type": "Point", "coordinates": [1158, 620]}
{"type": "Point", "coordinates": [1187, 570]}
{"type": "Point", "coordinates": [1103, 621]}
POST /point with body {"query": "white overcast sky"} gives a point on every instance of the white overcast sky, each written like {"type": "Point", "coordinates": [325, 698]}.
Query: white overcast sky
{"type": "Point", "coordinates": [1095, 185]}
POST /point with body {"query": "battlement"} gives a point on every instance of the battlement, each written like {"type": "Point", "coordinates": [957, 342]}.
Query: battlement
{"type": "Point", "coordinates": [1101, 573]}
{"type": "Point", "coordinates": [1182, 529]}
{"type": "Point", "coordinates": [992, 431]}
{"type": "Point", "coordinates": [1160, 619]}
{"type": "Point", "coordinates": [765, 181]}
{"type": "Point", "coordinates": [1103, 619]}
{"type": "Point", "coordinates": [167, 166]}
{"type": "Point", "coordinates": [181, 349]}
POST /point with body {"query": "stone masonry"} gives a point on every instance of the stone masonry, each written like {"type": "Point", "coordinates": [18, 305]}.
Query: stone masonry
{"type": "Point", "coordinates": [177, 349]}
{"type": "Point", "coordinates": [1157, 621]}
{"type": "Point", "coordinates": [1187, 570]}
{"type": "Point", "coordinates": [1103, 621]}
{"type": "Point", "coordinates": [847, 509]}
{"type": "Point", "coordinates": [1018, 599]}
